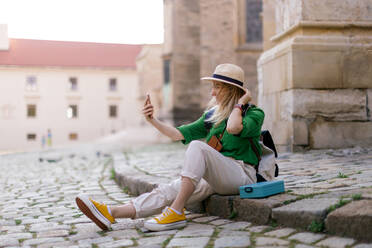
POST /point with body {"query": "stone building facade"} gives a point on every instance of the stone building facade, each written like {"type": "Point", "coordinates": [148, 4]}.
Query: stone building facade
{"type": "Point", "coordinates": [315, 75]}
{"type": "Point", "coordinates": [200, 34]}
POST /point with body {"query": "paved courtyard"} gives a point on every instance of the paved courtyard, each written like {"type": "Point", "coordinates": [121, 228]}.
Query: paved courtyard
{"type": "Point", "coordinates": [37, 209]}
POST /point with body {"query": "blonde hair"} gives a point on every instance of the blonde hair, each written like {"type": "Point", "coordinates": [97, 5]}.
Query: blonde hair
{"type": "Point", "coordinates": [223, 110]}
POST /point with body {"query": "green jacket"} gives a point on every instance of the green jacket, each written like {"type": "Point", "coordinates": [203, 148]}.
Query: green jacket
{"type": "Point", "coordinates": [235, 146]}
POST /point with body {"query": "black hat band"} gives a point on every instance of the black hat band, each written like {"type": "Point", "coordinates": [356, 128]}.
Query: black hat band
{"type": "Point", "coordinates": [231, 80]}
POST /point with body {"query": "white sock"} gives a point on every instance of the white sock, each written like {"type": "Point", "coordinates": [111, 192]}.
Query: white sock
{"type": "Point", "coordinates": [109, 210]}
{"type": "Point", "coordinates": [177, 212]}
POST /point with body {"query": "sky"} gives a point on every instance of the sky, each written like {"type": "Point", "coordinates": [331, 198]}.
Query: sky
{"type": "Point", "coordinates": [106, 21]}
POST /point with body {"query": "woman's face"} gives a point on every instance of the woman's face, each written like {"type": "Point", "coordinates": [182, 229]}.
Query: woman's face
{"type": "Point", "coordinates": [218, 91]}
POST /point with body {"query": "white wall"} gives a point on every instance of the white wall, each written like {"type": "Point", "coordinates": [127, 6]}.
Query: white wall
{"type": "Point", "coordinates": [4, 41]}
{"type": "Point", "coordinates": [52, 99]}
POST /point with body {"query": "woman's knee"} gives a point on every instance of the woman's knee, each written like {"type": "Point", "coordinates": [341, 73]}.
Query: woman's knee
{"type": "Point", "coordinates": [199, 147]}
{"type": "Point", "coordinates": [196, 145]}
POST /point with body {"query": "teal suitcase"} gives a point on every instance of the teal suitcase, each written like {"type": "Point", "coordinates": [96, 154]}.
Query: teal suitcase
{"type": "Point", "coordinates": [260, 190]}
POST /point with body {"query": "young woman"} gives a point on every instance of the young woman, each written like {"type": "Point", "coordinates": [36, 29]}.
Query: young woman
{"type": "Point", "coordinates": [206, 170]}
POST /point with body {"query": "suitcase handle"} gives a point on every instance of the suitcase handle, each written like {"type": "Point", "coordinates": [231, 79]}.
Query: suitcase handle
{"type": "Point", "coordinates": [248, 189]}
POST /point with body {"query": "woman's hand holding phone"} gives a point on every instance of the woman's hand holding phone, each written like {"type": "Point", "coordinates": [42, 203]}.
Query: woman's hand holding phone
{"type": "Point", "coordinates": [148, 109]}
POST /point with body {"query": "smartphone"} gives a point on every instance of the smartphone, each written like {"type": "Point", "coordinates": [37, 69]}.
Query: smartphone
{"type": "Point", "coordinates": [148, 101]}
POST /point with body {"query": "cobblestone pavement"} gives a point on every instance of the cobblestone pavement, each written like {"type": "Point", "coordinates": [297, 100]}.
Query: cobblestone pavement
{"type": "Point", "coordinates": [37, 209]}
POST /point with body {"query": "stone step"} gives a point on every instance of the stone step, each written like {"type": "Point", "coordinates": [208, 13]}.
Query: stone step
{"type": "Point", "coordinates": [304, 212]}
{"type": "Point", "coordinates": [354, 220]}
{"type": "Point", "coordinates": [258, 211]}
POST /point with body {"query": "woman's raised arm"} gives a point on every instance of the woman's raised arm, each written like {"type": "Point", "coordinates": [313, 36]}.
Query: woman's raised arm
{"type": "Point", "coordinates": [234, 124]}
{"type": "Point", "coordinates": [148, 112]}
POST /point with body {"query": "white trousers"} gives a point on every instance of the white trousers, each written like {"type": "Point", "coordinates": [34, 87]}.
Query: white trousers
{"type": "Point", "coordinates": [210, 171]}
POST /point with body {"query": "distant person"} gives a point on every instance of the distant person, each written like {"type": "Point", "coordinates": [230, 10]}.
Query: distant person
{"type": "Point", "coordinates": [43, 141]}
{"type": "Point", "coordinates": [49, 138]}
{"type": "Point", "coordinates": [206, 170]}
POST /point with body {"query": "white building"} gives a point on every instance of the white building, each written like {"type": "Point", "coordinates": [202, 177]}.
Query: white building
{"type": "Point", "coordinates": [79, 91]}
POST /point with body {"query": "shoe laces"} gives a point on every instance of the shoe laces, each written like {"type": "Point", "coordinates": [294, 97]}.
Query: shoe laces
{"type": "Point", "coordinates": [97, 203]}
{"type": "Point", "coordinates": [166, 212]}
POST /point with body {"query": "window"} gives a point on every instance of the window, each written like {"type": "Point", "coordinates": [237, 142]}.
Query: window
{"type": "Point", "coordinates": [31, 137]}
{"type": "Point", "coordinates": [73, 84]}
{"type": "Point", "coordinates": [72, 111]}
{"type": "Point", "coordinates": [73, 136]}
{"type": "Point", "coordinates": [31, 110]}
{"type": "Point", "coordinates": [166, 71]}
{"type": "Point", "coordinates": [6, 111]}
{"type": "Point", "coordinates": [253, 22]}
{"type": "Point", "coordinates": [113, 111]}
{"type": "Point", "coordinates": [31, 84]}
{"type": "Point", "coordinates": [112, 84]}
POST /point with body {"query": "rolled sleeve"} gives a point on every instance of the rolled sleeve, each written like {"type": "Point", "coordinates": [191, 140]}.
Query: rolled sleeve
{"type": "Point", "coordinates": [193, 131]}
{"type": "Point", "coordinates": [252, 123]}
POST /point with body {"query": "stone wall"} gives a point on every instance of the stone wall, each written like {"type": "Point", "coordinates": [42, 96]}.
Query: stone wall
{"type": "Point", "coordinates": [269, 24]}
{"type": "Point", "coordinates": [222, 40]}
{"type": "Point", "coordinates": [184, 59]}
{"type": "Point", "coordinates": [315, 81]}
{"type": "Point", "coordinates": [216, 38]}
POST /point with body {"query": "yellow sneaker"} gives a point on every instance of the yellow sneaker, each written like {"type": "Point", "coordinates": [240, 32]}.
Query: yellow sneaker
{"type": "Point", "coordinates": [166, 221]}
{"type": "Point", "coordinates": [97, 212]}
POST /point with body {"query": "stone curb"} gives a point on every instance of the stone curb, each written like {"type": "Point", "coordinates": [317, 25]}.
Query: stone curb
{"type": "Point", "coordinates": [354, 220]}
{"type": "Point", "coordinates": [298, 214]}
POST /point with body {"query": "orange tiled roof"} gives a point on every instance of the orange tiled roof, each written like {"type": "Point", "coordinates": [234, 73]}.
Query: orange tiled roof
{"type": "Point", "coordinates": [25, 52]}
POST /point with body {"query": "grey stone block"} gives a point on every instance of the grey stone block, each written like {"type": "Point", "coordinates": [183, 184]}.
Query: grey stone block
{"type": "Point", "coordinates": [236, 225]}
{"type": "Point", "coordinates": [218, 205]}
{"type": "Point", "coordinates": [233, 241]}
{"type": "Point", "coordinates": [283, 232]}
{"type": "Point", "coordinates": [252, 210]}
{"type": "Point", "coordinates": [258, 211]}
{"type": "Point", "coordinates": [99, 240]}
{"type": "Point", "coordinates": [158, 240]}
{"type": "Point", "coordinates": [264, 241]}
{"type": "Point", "coordinates": [197, 207]}
{"type": "Point", "coordinates": [5, 241]}
{"type": "Point", "coordinates": [196, 230]}
{"type": "Point", "coordinates": [189, 242]}
{"type": "Point", "coordinates": [353, 106]}
{"type": "Point", "coordinates": [42, 241]}
{"type": "Point", "coordinates": [329, 134]}
{"type": "Point", "coordinates": [303, 213]}
{"type": "Point", "coordinates": [336, 242]}
{"type": "Point", "coordinates": [307, 237]}
{"type": "Point", "coordinates": [353, 220]}
{"type": "Point", "coordinates": [118, 243]}
{"type": "Point", "coordinates": [205, 219]}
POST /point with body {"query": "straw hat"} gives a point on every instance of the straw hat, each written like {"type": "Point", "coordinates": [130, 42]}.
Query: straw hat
{"type": "Point", "coordinates": [229, 74]}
